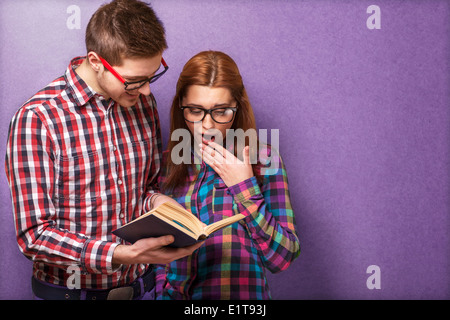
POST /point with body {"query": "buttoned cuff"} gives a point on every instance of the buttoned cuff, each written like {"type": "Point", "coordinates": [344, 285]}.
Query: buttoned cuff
{"type": "Point", "coordinates": [247, 195]}
{"type": "Point", "coordinates": [249, 198]}
{"type": "Point", "coordinates": [245, 190]}
{"type": "Point", "coordinates": [96, 256]}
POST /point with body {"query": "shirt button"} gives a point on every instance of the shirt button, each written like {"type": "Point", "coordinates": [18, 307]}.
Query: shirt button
{"type": "Point", "coordinates": [121, 215]}
{"type": "Point", "coordinates": [119, 181]}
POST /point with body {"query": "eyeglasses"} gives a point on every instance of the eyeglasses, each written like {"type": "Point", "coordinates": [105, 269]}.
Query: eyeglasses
{"type": "Point", "coordinates": [135, 84]}
{"type": "Point", "coordinates": [219, 115]}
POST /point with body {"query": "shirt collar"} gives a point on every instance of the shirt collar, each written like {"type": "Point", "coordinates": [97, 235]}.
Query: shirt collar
{"type": "Point", "coordinates": [80, 90]}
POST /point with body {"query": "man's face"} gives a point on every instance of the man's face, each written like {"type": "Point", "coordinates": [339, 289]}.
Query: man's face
{"type": "Point", "coordinates": [132, 69]}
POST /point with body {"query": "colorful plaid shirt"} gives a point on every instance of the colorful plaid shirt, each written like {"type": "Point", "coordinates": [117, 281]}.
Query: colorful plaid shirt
{"type": "Point", "coordinates": [233, 261]}
{"type": "Point", "coordinates": [80, 166]}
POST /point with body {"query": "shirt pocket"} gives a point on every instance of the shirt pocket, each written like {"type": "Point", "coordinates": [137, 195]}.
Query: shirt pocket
{"type": "Point", "coordinates": [78, 178]}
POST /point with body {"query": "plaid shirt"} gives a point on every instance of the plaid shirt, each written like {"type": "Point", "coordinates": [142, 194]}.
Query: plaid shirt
{"type": "Point", "coordinates": [80, 166]}
{"type": "Point", "coordinates": [232, 262]}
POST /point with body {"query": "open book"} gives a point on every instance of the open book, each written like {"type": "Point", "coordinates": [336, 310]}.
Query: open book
{"type": "Point", "coordinates": [170, 219]}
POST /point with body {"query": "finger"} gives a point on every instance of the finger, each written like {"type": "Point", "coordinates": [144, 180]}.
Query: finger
{"type": "Point", "coordinates": [225, 153]}
{"type": "Point", "coordinates": [213, 155]}
{"type": "Point", "coordinates": [204, 146]}
{"type": "Point", "coordinates": [212, 162]}
{"type": "Point", "coordinates": [229, 157]}
{"type": "Point", "coordinates": [153, 244]}
{"type": "Point", "coordinates": [193, 247]}
{"type": "Point", "coordinates": [220, 149]}
{"type": "Point", "coordinates": [163, 241]}
{"type": "Point", "coordinates": [246, 155]}
{"type": "Point", "coordinates": [179, 253]}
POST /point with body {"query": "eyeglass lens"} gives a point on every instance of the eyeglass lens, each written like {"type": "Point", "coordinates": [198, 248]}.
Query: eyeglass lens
{"type": "Point", "coordinates": [220, 115]}
{"type": "Point", "coordinates": [137, 85]}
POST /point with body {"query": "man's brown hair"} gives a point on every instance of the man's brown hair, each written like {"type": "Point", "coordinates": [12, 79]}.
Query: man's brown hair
{"type": "Point", "coordinates": [125, 29]}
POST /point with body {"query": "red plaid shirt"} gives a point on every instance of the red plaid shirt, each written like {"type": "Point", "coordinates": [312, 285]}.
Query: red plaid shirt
{"type": "Point", "coordinates": [80, 166]}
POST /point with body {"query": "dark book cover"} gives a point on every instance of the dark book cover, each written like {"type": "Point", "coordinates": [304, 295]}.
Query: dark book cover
{"type": "Point", "coordinates": [151, 226]}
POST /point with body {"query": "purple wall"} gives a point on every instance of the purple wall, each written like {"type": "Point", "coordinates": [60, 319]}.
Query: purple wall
{"type": "Point", "coordinates": [363, 116]}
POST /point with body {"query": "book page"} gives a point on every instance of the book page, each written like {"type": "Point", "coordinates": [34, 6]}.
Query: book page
{"type": "Point", "coordinates": [180, 216]}
{"type": "Point", "coordinates": [177, 225]}
{"type": "Point", "coordinates": [223, 223]}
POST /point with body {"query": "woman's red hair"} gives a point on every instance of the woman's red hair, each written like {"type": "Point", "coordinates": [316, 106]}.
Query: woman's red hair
{"type": "Point", "coordinates": [212, 69]}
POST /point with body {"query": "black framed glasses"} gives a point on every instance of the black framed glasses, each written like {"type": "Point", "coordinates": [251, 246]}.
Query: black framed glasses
{"type": "Point", "coordinates": [135, 84]}
{"type": "Point", "coordinates": [219, 115]}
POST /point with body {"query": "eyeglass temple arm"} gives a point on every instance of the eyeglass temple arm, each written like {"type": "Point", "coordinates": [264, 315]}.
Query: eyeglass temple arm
{"type": "Point", "coordinates": [111, 69]}
{"type": "Point", "coordinates": [163, 62]}
{"type": "Point", "coordinates": [114, 72]}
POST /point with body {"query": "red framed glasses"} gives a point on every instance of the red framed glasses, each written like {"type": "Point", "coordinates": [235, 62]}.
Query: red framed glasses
{"type": "Point", "coordinates": [135, 84]}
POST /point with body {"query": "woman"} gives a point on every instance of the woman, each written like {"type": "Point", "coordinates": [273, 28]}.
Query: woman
{"type": "Point", "coordinates": [221, 179]}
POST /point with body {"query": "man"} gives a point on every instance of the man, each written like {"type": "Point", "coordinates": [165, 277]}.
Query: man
{"type": "Point", "coordinates": [82, 160]}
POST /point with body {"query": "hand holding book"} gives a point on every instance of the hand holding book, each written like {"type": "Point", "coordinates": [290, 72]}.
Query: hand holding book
{"type": "Point", "coordinates": [171, 219]}
{"type": "Point", "coordinates": [151, 251]}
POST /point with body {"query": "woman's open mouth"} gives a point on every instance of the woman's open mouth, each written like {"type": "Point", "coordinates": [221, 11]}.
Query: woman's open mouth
{"type": "Point", "coordinates": [208, 137]}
